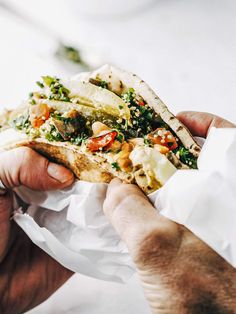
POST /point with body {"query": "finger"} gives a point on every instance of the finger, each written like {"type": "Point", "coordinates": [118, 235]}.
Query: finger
{"type": "Point", "coordinates": [23, 166]}
{"type": "Point", "coordinates": [5, 225]}
{"type": "Point", "coordinates": [200, 123]}
{"type": "Point", "coordinates": [129, 211]}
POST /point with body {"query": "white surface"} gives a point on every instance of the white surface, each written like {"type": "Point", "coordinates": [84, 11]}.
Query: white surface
{"type": "Point", "coordinates": [185, 49]}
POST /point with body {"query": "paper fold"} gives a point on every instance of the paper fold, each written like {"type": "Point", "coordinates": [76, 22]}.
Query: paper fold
{"type": "Point", "coordinates": [71, 227]}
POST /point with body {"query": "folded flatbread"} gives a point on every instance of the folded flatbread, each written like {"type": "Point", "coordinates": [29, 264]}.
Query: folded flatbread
{"type": "Point", "coordinates": [103, 124]}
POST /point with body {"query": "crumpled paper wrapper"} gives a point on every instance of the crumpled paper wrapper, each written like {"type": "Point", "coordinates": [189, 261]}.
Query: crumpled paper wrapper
{"type": "Point", "coordinates": [70, 225]}
{"type": "Point", "coordinates": [204, 200]}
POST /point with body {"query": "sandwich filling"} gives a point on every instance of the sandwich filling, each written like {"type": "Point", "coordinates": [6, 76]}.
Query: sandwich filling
{"type": "Point", "coordinates": [123, 129]}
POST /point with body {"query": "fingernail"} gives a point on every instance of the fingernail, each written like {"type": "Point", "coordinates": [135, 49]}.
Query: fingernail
{"type": "Point", "coordinates": [59, 173]}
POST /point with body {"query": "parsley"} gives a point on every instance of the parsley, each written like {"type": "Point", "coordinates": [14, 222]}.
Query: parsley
{"type": "Point", "coordinates": [22, 122]}
{"type": "Point", "coordinates": [103, 84]}
{"type": "Point", "coordinates": [57, 90]}
{"type": "Point", "coordinates": [48, 80]}
{"type": "Point", "coordinates": [115, 166]}
{"type": "Point", "coordinates": [32, 102]}
{"type": "Point", "coordinates": [40, 84]}
{"type": "Point", "coordinates": [53, 135]}
{"type": "Point", "coordinates": [186, 157]}
{"type": "Point", "coordinates": [128, 97]}
{"type": "Point", "coordinates": [98, 82]}
{"type": "Point", "coordinates": [120, 137]}
{"type": "Point", "coordinates": [148, 142]}
{"type": "Point", "coordinates": [69, 53]}
{"type": "Point", "coordinates": [79, 139]}
{"type": "Point", "coordinates": [143, 118]}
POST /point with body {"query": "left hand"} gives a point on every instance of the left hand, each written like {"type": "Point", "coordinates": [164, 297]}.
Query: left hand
{"type": "Point", "coordinates": [28, 276]}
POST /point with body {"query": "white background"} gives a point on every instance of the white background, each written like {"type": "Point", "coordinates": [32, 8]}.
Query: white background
{"type": "Point", "coordinates": [185, 49]}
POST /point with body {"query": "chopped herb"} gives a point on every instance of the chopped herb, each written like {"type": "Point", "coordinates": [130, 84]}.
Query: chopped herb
{"type": "Point", "coordinates": [79, 139]}
{"type": "Point", "coordinates": [186, 157]}
{"type": "Point", "coordinates": [144, 118]}
{"type": "Point", "coordinates": [115, 166]}
{"type": "Point", "coordinates": [53, 135]}
{"type": "Point", "coordinates": [120, 137]}
{"type": "Point", "coordinates": [98, 82]}
{"type": "Point", "coordinates": [72, 128]}
{"type": "Point", "coordinates": [40, 84]}
{"type": "Point", "coordinates": [22, 122]}
{"type": "Point", "coordinates": [104, 84]}
{"type": "Point", "coordinates": [120, 107]}
{"type": "Point", "coordinates": [148, 142]}
{"type": "Point", "coordinates": [32, 102]}
{"type": "Point", "coordinates": [57, 90]}
{"type": "Point", "coordinates": [69, 53]}
{"type": "Point", "coordinates": [48, 80]}
{"type": "Point", "coordinates": [31, 95]}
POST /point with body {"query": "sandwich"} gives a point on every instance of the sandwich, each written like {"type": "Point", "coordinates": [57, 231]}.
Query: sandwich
{"type": "Point", "coordinates": [103, 124]}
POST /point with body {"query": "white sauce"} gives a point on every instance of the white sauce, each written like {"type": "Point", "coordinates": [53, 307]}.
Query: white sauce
{"type": "Point", "coordinates": [153, 162]}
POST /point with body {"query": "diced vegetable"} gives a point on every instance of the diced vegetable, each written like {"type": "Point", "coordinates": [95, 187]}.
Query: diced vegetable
{"type": "Point", "coordinates": [39, 114]}
{"type": "Point", "coordinates": [97, 143]}
{"type": "Point", "coordinates": [163, 137]}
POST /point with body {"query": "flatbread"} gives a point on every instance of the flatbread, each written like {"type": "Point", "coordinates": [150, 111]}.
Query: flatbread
{"type": "Point", "coordinates": [119, 81]}
{"type": "Point", "coordinates": [92, 167]}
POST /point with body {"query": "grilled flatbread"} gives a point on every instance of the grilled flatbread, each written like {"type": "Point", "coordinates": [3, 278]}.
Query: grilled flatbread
{"type": "Point", "coordinates": [104, 124]}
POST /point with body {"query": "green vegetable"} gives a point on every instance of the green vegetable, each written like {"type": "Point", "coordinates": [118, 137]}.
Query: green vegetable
{"type": "Point", "coordinates": [53, 135]}
{"type": "Point", "coordinates": [103, 84]}
{"type": "Point", "coordinates": [48, 80]}
{"type": "Point", "coordinates": [143, 118]}
{"type": "Point", "coordinates": [79, 139]}
{"type": "Point", "coordinates": [148, 142]}
{"type": "Point", "coordinates": [120, 137]}
{"type": "Point", "coordinates": [22, 122]}
{"type": "Point", "coordinates": [186, 157]}
{"type": "Point", "coordinates": [57, 90]}
{"type": "Point", "coordinates": [69, 53]}
{"type": "Point", "coordinates": [115, 166]}
{"type": "Point", "coordinates": [40, 84]}
{"type": "Point", "coordinates": [32, 102]}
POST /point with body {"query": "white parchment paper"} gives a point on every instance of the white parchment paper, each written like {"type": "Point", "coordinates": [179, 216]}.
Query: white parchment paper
{"type": "Point", "coordinates": [70, 226]}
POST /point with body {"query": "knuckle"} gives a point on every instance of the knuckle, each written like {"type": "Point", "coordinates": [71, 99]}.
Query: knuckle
{"type": "Point", "coordinates": [25, 154]}
{"type": "Point", "coordinates": [155, 248]}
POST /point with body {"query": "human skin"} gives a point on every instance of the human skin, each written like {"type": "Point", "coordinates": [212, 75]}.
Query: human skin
{"type": "Point", "coordinates": [179, 273]}
{"type": "Point", "coordinates": [28, 276]}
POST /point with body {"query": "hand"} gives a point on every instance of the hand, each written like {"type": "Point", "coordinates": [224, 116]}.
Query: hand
{"type": "Point", "coordinates": [179, 273]}
{"type": "Point", "coordinates": [28, 276]}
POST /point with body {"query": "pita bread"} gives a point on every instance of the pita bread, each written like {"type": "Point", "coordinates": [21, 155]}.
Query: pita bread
{"type": "Point", "coordinates": [94, 167]}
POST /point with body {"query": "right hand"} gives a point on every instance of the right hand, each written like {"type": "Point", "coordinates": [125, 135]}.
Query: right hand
{"type": "Point", "coordinates": [179, 273]}
{"type": "Point", "coordinates": [200, 123]}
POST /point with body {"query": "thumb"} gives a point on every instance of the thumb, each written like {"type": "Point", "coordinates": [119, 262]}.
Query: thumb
{"type": "Point", "coordinates": [130, 212]}
{"type": "Point", "coordinates": [23, 166]}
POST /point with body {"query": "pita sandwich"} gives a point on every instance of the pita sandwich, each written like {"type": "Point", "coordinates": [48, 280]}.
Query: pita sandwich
{"type": "Point", "coordinates": [103, 124]}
